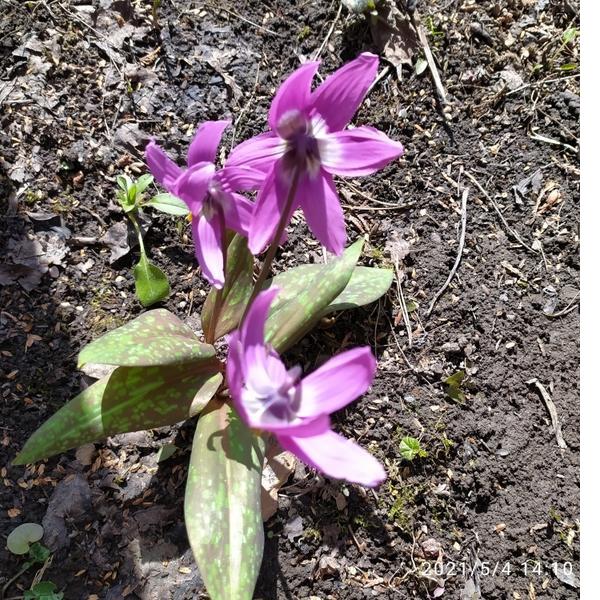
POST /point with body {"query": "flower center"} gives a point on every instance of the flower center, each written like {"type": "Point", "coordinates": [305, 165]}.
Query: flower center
{"type": "Point", "coordinates": [271, 394]}
{"type": "Point", "coordinates": [301, 145]}
{"type": "Point", "coordinates": [216, 198]}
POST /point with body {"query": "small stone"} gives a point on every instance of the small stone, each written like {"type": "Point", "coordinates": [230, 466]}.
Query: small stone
{"type": "Point", "coordinates": [85, 454]}
{"type": "Point", "coordinates": [451, 348]}
{"type": "Point", "coordinates": [431, 548]}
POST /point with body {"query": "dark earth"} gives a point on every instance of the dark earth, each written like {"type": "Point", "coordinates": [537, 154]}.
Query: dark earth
{"type": "Point", "coordinates": [492, 510]}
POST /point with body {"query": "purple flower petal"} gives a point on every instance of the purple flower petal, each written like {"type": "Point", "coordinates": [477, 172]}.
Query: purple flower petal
{"type": "Point", "coordinates": [323, 212]}
{"type": "Point", "coordinates": [357, 152]}
{"type": "Point", "coordinates": [336, 457]}
{"type": "Point", "coordinates": [209, 251]}
{"type": "Point", "coordinates": [293, 94]}
{"type": "Point", "coordinates": [240, 178]}
{"type": "Point", "coordinates": [235, 372]}
{"type": "Point", "coordinates": [306, 428]}
{"type": "Point", "coordinates": [252, 331]}
{"type": "Point", "coordinates": [165, 171]}
{"type": "Point", "coordinates": [238, 215]}
{"type": "Point", "coordinates": [203, 148]}
{"type": "Point", "coordinates": [268, 210]}
{"type": "Point", "coordinates": [192, 185]}
{"type": "Point", "coordinates": [338, 382]}
{"type": "Point", "coordinates": [258, 153]}
{"type": "Point", "coordinates": [340, 95]}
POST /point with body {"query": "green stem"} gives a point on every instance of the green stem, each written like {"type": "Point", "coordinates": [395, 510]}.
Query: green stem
{"type": "Point", "coordinates": [285, 217]}
{"type": "Point", "coordinates": [212, 327]}
{"type": "Point", "coordinates": [138, 231]}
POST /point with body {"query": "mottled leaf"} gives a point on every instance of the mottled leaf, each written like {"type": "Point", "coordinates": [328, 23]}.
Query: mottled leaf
{"type": "Point", "coordinates": [366, 285]}
{"type": "Point", "coordinates": [129, 399]}
{"type": "Point", "coordinates": [151, 284]}
{"type": "Point", "coordinates": [209, 388]}
{"type": "Point", "coordinates": [236, 291]}
{"type": "Point", "coordinates": [156, 337]}
{"type": "Point", "coordinates": [292, 317]}
{"type": "Point", "coordinates": [222, 504]}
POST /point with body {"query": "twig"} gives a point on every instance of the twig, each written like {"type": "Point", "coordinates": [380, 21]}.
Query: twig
{"type": "Point", "coordinates": [552, 410]}
{"type": "Point", "coordinates": [362, 194]}
{"type": "Point", "coordinates": [379, 77]}
{"type": "Point", "coordinates": [93, 214]}
{"type": "Point", "coordinates": [461, 245]}
{"type": "Point", "coordinates": [237, 16]}
{"type": "Point", "coordinates": [333, 24]}
{"type": "Point", "coordinates": [540, 83]}
{"type": "Point", "coordinates": [565, 311]}
{"type": "Point", "coordinates": [547, 140]}
{"type": "Point", "coordinates": [508, 228]}
{"type": "Point", "coordinates": [405, 316]}
{"type": "Point", "coordinates": [416, 23]}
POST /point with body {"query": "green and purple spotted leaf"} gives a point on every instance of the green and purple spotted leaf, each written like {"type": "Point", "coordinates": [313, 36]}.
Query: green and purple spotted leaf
{"type": "Point", "coordinates": [366, 285]}
{"type": "Point", "coordinates": [223, 504]}
{"type": "Point", "coordinates": [236, 291]}
{"type": "Point", "coordinates": [296, 311]}
{"type": "Point", "coordinates": [129, 399]}
{"type": "Point", "coordinates": [155, 338]}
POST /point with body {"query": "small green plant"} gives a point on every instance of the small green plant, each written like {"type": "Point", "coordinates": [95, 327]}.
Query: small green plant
{"type": "Point", "coordinates": [44, 590]}
{"type": "Point", "coordinates": [24, 540]}
{"type": "Point", "coordinates": [155, 6]}
{"type": "Point", "coordinates": [151, 283]}
{"type": "Point", "coordinates": [433, 31]}
{"type": "Point", "coordinates": [410, 448]}
{"type": "Point", "coordinates": [567, 47]}
{"type": "Point", "coordinates": [403, 506]}
{"type": "Point", "coordinates": [454, 386]}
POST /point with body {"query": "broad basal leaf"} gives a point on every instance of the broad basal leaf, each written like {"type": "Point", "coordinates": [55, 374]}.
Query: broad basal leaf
{"type": "Point", "coordinates": [157, 337]}
{"type": "Point", "coordinates": [292, 317]}
{"type": "Point", "coordinates": [129, 399]}
{"type": "Point", "coordinates": [236, 291]}
{"type": "Point", "coordinates": [222, 504]}
{"type": "Point", "coordinates": [366, 285]}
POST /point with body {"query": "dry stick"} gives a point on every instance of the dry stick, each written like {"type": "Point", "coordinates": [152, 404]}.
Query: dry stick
{"type": "Point", "coordinates": [461, 245]}
{"type": "Point", "coordinates": [285, 217]}
{"type": "Point", "coordinates": [565, 311]}
{"type": "Point", "coordinates": [333, 24]}
{"type": "Point", "coordinates": [416, 23]}
{"type": "Point", "coordinates": [552, 410]}
{"type": "Point", "coordinates": [405, 316]}
{"type": "Point", "coordinates": [540, 83]}
{"type": "Point", "coordinates": [238, 16]}
{"type": "Point", "coordinates": [508, 228]}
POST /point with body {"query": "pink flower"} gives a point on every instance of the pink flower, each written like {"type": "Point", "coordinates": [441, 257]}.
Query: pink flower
{"type": "Point", "coordinates": [271, 398]}
{"type": "Point", "coordinates": [308, 140]}
{"type": "Point", "coordinates": [208, 193]}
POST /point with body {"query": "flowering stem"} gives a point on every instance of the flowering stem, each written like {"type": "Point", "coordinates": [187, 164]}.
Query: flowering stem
{"type": "Point", "coordinates": [212, 327]}
{"type": "Point", "coordinates": [285, 217]}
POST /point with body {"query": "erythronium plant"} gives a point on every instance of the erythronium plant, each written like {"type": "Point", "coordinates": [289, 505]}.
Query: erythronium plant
{"type": "Point", "coordinates": [165, 374]}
